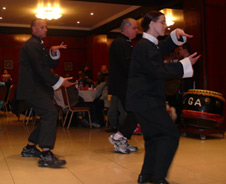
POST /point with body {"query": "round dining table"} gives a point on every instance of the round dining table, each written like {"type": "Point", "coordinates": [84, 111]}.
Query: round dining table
{"type": "Point", "coordinates": [88, 95]}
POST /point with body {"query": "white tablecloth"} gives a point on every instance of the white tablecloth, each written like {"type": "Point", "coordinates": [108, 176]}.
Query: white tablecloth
{"type": "Point", "coordinates": [88, 95]}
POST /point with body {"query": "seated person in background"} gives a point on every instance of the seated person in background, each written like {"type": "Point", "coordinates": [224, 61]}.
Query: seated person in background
{"type": "Point", "coordinates": [97, 106]}
{"type": "Point", "coordinates": [84, 80]}
{"type": "Point", "coordinates": [1, 101]}
{"type": "Point", "coordinates": [81, 77]}
{"type": "Point", "coordinates": [102, 88]}
{"type": "Point", "coordinates": [102, 95]}
{"type": "Point", "coordinates": [6, 76]}
{"type": "Point", "coordinates": [76, 100]}
{"type": "Point", "coordinates": [7, 79]}
{"type": "Point", "coordinates": [101, 74]}
{"type": "Point", "coordinates": [104, 69]}
{"type": "Point", "coordinates": [87, 72]}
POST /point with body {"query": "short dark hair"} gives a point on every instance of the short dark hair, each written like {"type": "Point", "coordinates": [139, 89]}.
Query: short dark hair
{"type": "Point", "coordinates": [148, 17]}
{"type": "Point", "coordinates": [34, 21]}
{"type": "Point", "coordinates": [187, 46]}
{"type": "Point", "coordinates": [125, 22]}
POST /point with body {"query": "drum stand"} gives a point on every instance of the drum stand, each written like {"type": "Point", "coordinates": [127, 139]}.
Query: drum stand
{"type": "Point", "coordinates": [200, 131]}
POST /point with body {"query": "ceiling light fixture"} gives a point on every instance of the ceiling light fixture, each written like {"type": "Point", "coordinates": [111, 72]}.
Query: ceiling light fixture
{"type": "Point", "coordinates": [169, 16]}
{"type": "Point", "coordinates": [4, 8]}
{"type": "Point", "coordinates": [91, 13]}
{"type": "Point", "coordinates": [48, 10]}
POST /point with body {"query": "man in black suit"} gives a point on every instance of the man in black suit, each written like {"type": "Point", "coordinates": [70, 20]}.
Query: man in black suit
{"type": "Point", "coordinates": [35, 86]}
{"type": "Point", "coordinates": [120, 58]}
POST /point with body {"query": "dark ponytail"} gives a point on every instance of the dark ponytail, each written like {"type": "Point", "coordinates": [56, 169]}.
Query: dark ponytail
{"type": "Point", "coordinates": [148, 17]}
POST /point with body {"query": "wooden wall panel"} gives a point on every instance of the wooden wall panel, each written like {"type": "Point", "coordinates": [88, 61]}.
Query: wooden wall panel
{"type": "Point", "coordinates": [100, 53]}
{"type": "Point", "coordinates": [193, 25]}
{"type": "Point", "coordinates": [1, 60]}
{"type": "Point", "coordinates": [15, 40]}
{"type": "Point", "coordinates": [71, 42]}
{"type": "Point", "coordinates": [89, 52]}
{"type": "Point", "coordinates": [97, 53]}
{"type": "Point", "coordinates": [217, 3]}
{"type": "Point", "coordinates": [206, 19]}
{"type": "Point", "coordinates": [216, 39]}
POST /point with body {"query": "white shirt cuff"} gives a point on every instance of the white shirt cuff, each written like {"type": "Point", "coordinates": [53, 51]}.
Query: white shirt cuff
{"type": "Point", "coordinates": [175, 40]}
{"type": "Point", "coordinates": [187, 67]}
{"type": "Point", "coordinates": [54, 57]}
{"type": "Point", "coordinates": [58, 84]}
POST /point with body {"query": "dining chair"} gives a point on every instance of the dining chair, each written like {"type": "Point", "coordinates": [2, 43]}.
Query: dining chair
{"type": "Point", "coordinates": [9, 98]}
{"type": "Point", "coordinates": [71, 97]}
{"type": "Point", "coordinates": [60, 114]}
{"type": "Point", "coordinates": [3, 91]}
{"type": "Point", "coordinates": [29, 113]}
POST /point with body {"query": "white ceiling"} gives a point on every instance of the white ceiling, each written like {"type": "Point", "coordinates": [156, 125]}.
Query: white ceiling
{"type": "Point", "coordinates": [20, 13]}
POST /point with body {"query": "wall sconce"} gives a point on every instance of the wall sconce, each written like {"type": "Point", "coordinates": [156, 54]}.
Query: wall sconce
{"type": "Point", "coordinates": [169, 16]}
{"type": "Point", "coordinates": [48, 10]}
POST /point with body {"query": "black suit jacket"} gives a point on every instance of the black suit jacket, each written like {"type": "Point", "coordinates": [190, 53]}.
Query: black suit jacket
{"type": "Point", "coordinates": [35, 76]}
{"type": "Point", "coordinates": [146, 83]}
{"type": "Point", "coordinates": [119, 65]}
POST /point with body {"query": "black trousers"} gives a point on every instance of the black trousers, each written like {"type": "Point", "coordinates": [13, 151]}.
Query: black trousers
{"type": "Point", "coordinates": [129, 124]}
{"type": "Point", "coordinates": [45, 132]}
{"type": "Point", "coordinates": [161, 138]}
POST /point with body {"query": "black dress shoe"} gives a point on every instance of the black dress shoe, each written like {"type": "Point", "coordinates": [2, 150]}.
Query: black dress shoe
{"type": "Point", "coordinates": [149, 179]}
{"type": "Point", "coordinates": [30, 151]}
{"type": "Point", "coordinates": [48, 159]}
{"type": "Point", "coordinates": [144, 179]}
{"type": "Point", "coordinates": [162, 181]}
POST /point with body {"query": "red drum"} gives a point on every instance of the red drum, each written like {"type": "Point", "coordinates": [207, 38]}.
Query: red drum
{"type": "Point", "coordinates": [203, 108]}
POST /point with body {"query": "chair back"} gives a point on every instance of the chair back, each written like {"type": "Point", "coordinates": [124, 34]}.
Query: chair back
{"type": "Point", "coordinates": [11, 94]}
{"type": "Point", "coordinates": [71, 96]}
{"type": "Point", "coordinates": [3, 91]}
{"type": "Point", "coordinates": [63, 90]}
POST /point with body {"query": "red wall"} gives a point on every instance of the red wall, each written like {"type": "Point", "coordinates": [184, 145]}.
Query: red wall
{"type": "Point", "coordinates": [10, 45]}
{"type": "Point", "coordinates": [92, 50]}
{"type": "Point", "coordinates": [9, 50]}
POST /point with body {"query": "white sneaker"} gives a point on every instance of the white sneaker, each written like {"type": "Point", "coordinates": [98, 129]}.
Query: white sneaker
{"type": "Point", "coordinates": [121, 149]}
{"type": "Point", "coordinates": [131, 148]}
{"type": "Point", "coordinates": [121, 145]}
